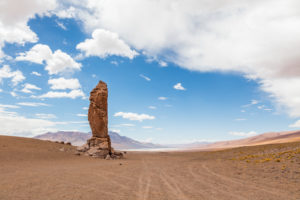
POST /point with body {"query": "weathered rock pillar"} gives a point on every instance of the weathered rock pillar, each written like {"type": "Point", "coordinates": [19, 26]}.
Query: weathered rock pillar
{"type": "Point", "coordinates": [99, 145]}
{"type": "Point", "coordinates": [98, 117]}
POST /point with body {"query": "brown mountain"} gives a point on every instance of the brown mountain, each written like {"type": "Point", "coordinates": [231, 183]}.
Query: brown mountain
{"type": "Point", "coordinates": [80, 138]}
{"type": "Point", "coordinates": [265, 138]}
{"type": "Point", "coordinates": [123, 142]}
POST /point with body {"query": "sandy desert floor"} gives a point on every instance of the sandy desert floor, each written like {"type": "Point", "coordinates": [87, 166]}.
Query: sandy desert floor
{"type": "Point", "coordinates": [40, 170]}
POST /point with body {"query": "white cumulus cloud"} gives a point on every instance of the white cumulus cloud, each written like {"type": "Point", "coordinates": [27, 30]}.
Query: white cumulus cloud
{"type": "Point", "coordinates": [163, 63]}
{"type": "Point", "coordinates": [14, 15]}
{"type": "Point", "coordinates": [134, 116]}
{"type": "Point", "coordinates": [178, 86]}
{"type": "Point", "coordinates": [56, 63]}
{"type": "Point", "coordinates": [15, 76]}
{"type": "Point", "coordinates": [105, 43]}
{"type": "Point", "coordinates": [37, 54]}
{"type": "Point", "coordinates": [62, 83]}
{"type": "Point", "coordinates": [36, 73]}
{"type": "Point", "coordinates": [258, 39]}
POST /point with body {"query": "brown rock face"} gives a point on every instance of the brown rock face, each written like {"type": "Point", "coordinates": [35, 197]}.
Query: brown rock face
{"type": "Point", "coordinates": [98, 111]}
{"type": "Point", "coordinates": [99, 145]}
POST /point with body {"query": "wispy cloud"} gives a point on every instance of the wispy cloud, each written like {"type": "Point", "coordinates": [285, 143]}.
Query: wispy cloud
{"type": "Point", "coordinates": [263, 107]}
{"type": "Point", "coordinates": [29, 87]}
{"type": "Point", "coordinates": [45, 116]}
{"type": "Point", "coordinates": [252, 102]}
{"type": "Point", "coordinates": [61, 25]}
{"type": "Point", "coordinates": [147, 127]}
{"type": "Point", "coordinates": [123, 125]}
{"type": "Point", "coordinates": [32, 104]}
{"type": "Point", "coordinates": [134, 116]}
{"type": "Point", "coordinates": [73, 94]}
{"type": "Point", "coordinates": [243, 134]}
{"type": "Point", "coordinates": [115, 130]}
{"type": "Point", "coordinates": [25, 126]}
{"type": "Point", "coordinates": [152, 107]}
{"type": "Point", "coordinates": [8, 106]}
{"type": "Point", "coordinates": [145, 77]}
{"type": "Point", "coordinates": [162, 98]}
{"type": "Point", "coordinates": [240, 119]}
{"type": "Point", "coordinates": [127, 125]}
{"type": "Point", "coordinates": [81, 115]}
{"type": "Point", "coordinates": [114, 62]}
{"type": "Point", "coordinates": [295, 125]}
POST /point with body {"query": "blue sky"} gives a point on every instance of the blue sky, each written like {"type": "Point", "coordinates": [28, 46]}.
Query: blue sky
{"type": "Point", "coordinates": [163, 88]}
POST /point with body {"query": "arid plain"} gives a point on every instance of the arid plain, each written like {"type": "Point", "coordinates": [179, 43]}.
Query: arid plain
{"type": "Point", "coordinates": [31, 169]}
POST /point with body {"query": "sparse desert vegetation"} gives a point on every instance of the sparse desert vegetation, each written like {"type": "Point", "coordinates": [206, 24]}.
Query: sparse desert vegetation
{"type": "Point", "coordinates": [288, 152]}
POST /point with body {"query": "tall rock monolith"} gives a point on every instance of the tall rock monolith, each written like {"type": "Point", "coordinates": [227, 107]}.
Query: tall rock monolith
{"type": "Point", "coordinates": [99, 145]}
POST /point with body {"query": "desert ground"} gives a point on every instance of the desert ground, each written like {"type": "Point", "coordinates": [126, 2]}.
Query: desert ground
{"type": "Point", "coordinates": [31, 169]}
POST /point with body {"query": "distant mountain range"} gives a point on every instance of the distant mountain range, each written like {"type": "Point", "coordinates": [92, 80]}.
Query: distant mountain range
{"type": "Point", "coordinates": [123, 142]}
{"type": "Point", "coordinates": [79, 138]}
{"type": "Point", "coordinates": [265, 138]}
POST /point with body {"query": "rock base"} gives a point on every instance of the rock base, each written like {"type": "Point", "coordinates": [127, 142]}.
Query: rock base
{"type": "Point", "coordinates": [99, 148]}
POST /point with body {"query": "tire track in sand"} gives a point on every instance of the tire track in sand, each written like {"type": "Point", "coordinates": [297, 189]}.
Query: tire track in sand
{"type": "Point", "coordinates": [144, 182]}
{"type": "Point", "coordinates": [213, 186]}
{"type": "Point", "coordinates": [232, 182]}
{"type": "Point", "coordinates": [249, 184]}
{"type": "Point", "coordinates": [173, 186]}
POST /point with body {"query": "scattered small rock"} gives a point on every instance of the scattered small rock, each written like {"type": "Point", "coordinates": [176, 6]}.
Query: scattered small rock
{"type": "Point", "coordinates": [83, 148]}
{"type": "Point", "coordinates": [118, 154]}
{"type": "Point", "coordinates": [69, 143]}
{"type": "Point", "coordinates": [62, 142]}
{"type": "Point", "coordinates": [120, 163]}
{"type": "Point", "coordinates": [77, 153]}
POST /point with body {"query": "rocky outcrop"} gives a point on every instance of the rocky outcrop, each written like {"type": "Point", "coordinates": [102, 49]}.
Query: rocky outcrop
{"type": "Point", "coordinates": [99, 145]}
